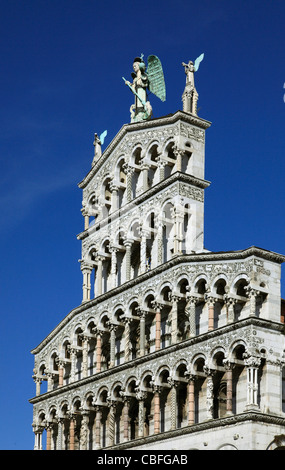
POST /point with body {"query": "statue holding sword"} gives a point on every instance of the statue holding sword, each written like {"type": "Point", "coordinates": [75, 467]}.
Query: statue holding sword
{"type": "Point", "coordinates": [152, 80]}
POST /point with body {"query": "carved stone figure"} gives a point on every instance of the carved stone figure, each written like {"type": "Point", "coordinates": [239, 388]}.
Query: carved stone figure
{"type": "Point", "coordinates": [152, 80]}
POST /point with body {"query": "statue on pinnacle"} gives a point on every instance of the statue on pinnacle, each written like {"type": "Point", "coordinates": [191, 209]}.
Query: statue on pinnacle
{"type": "Point", "coordinates": [145, 78]}
{"type": "Point", "coordinates": [190, 95]}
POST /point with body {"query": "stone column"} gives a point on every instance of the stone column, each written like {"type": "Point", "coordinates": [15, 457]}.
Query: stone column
{"type": "Point", "coordinates": [38, 431]}
{"type": "Point", "coordinates": [161, 164]}
{"type": "Point", "coordinates": [157, 308]}
{"type": "Point", "coordinates": [48, 442]}
{"type": "Point", "coordinates": [173, 402]}
{"type": "Point", "coordinates": [84, 430]}
{"type": "Point", "coordinates": [160, 254]}
{"type": "Point", "coordinates": [49, 381]}
{"type": "Point", "coordinates": [142, 315]}
{"type": "Point", "coordinates": [99, 260]}
{"type": "Point", "coordinates": [128, 245]}
{"type": "Point", "coordinates": [229, 378]}
{"type": "Point", "coordinates": [190, 311]}
{"type": "Point", "coordinates": [174, 318]}
{"type": "Point", "coordinates": [86, 287]}
{"type": "Point", "coordinates": [252, 294]}
{"type": "Point", "coordinates": [113, 251]}
{"type": "Point", "coordinates": [114, 197]}
{"type": "Point", "coordinates": [59, 433]}
{"type": "Point", "coordinates": [141, 396]}
{"type": "Point", "coordinates": [191, 399]}
{"type": "Point", "coordinates": [144, 170]}
{"type": "Point", "coordinates": [143, 265]}
{"type": "Point", "coordinates": [211, 310]}
{"type": "Point", "coordinates": [98, 350]}
{"type": "Point", "coordinates": [156, 398]}
{"type": "Point", "coordinates": [126, 417]}
{"type": "Point", "coordinates": [84, 356]}
{"type": "Point", "coordinates": [38, 382]}
{"type": "Point", "coordinates": [73, 354]}
{"type": "Point", "coordinates": [230, 303]}
{"type": "Point", "coordinates": [112, 329]}
{"type": "Point", "coordinates": [98, 418]}
{"type": "Point", "coordinates": [252, 363]}
{"type": "Point", "coordinates": [60, 373]}
{"type": "Point", "coordinates": [86, 218]}
{"type": "Point", "coordinates": [210, 394]}
{"type": "Point", "coordinates": [127, 322]}
{"type": "Point", "coordinates": [177, 215]}
{"type": "Point", "coordinates": [178, 153]}
{"type": "Point", "coordinates": [129, 174]}
{"type": "Point", "coordinates": [72, 433]}
{"type": "Point", "coordinates": [111, 428]}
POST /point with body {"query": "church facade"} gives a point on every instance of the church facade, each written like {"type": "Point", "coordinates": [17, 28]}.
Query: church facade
{"type": "Point", "coordinates": [173, 346]}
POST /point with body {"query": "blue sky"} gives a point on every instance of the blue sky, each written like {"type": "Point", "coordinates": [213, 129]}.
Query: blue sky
{"type": "Point", "coordinates": [60, 81]}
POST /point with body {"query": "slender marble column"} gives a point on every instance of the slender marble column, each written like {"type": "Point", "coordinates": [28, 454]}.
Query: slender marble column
{"type": "Point", "coordinates": [157, 325]}
{"type": "Point", "coordinates": [86, 287]}
{"type": "Point", "coordinates": [38, 431]}
{"type": "Point", "coordinates": [60, 373]}
{"type": "Point", "coordinates": [229, 378]}
{"type": "Point", "coordinates": [112, 329]}
{"type": "Point", "coordinates": [72, 433]}
{"type": "Point", "coordinates": [211, 309]}
{"type": "Point", "coordinates": [252, 295]}
{"type": "Point", "coordinates": [142, 315]}
{"type": "Point", "coordinates": [84, 431]}
{"type": "Point", "coordinates": [98, 350]}
{"type": "Point", "coordinates": [111, 427]}
{"type": "Point", "coordinates": [210, 395]}
{"type": "Point", "coordinates": [141, 396]}
{"type": "Point", "coordinates": [160, 254]}
{"type": "Point", "coordinates": [144, 170]}
{"type": "Point", "coordinates": [173, 402]}
{"type": "Point", "coordinates": [156, 399]}
{"type": "Point", "coordinates": [38, 382]}
{"type": "Point", "coordinates": [48, 442]}
{"type": "Point", "coordinates": [143, 264]}
{"type": "Point", "coordinates": [128, 245]}
{"type": "Point", "coordinates": [252, 364]}
{"type": "Point", "coordinates": [113, 251]}
{"type": "Point", "coordinates": [59, 433]}
{"type": "Point", "coordinates": [84, 356]}
{"type": "Point", "coordinates": [127, 322]}
{"type": "Point", "coordinates": [99, 260]}
{"type": "Point", "coordinates": [73, 354]}
{"type": "Point", "coordinates": [126, 418]}
{"type": "Point", "coordinates": [190, 311]}
{"type": "Point", "coordinates": [98, 418]}
{"type": "Point", "coordinates": [191, 400]}
{"type": "Point", "coordinates": [230, 303]}
{"type": "Point", "coordinates": [174, 318]}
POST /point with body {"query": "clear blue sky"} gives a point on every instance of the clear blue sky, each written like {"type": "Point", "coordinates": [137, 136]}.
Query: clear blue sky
{"type": "Point", "coordinates": [61, 63]}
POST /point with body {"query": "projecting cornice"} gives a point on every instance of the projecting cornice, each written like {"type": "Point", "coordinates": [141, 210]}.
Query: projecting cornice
{"type": "Point", "coordinates": [143, 125]}
{"type": "Point", "coordinates": [206, 256]}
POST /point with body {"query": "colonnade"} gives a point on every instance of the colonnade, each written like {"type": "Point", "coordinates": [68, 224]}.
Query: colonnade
{"type": "Point", "coordinates": [134, 175]}
{"type": "Point", "coordinates": [123, 336]}
{"type": "Point", "coordinates": [156, 403]}
{"type": "Point", "coordinates": [144, 247]}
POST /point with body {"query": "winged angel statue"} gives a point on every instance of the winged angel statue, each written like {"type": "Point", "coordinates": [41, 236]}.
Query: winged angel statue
{"type": "Point", "coordinates": [145, 78]}
{"type": "Point", "coordinates": [98, 142]}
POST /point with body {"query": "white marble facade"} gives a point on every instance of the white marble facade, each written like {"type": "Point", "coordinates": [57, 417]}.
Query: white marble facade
{"type": "Point", "coordinates": [173, 346]}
